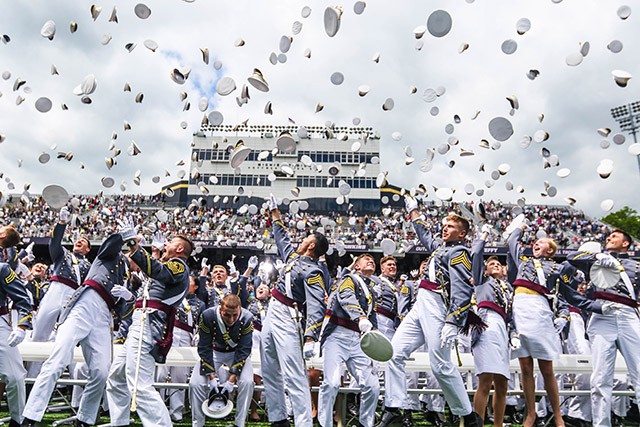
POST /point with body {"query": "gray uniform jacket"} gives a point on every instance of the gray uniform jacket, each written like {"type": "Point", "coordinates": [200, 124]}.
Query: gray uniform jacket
{"type": "Point", "coordinates": [584, 261]}
{"type": "Point", "coordinates": [237, 339]}
{"type": "Point", "coordinates": [349, 302]}
{"type": "Point", "coordinates": [64, 261]}
{"type": "Point", "coordinates": [386, 296]}
{"type": "Point", "coordinates": [12, 286]}
{"type": "Point", "coordinates": [258, 309]}
{"type": "Point", "coordinates": [452, 264]}
{"type": "Point", "coordinates": [559, 277]}
{"type": "Point", "coordinates": [168, 287]}
{"type": "Point", "coordinates": [108, 269]}
{"type": "Point", "coordinates": [406, 297]}
{"type": "Point", "coordinates": [308, 287]}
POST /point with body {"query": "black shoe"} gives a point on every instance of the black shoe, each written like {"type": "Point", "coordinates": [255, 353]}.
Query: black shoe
{"type": "Point", "coordinates": [575, 422]}
{"type": "Point", "coordinates": [542, 421]}
{"type": "Point", "coordinates": [435, 418]}
{"type": "Point", "coordinates": [407, 418]}
{"type": "Point", "coordinates": [473, 420]}
{"type": "Point", "coordinates": [390, 416]}
{"type": "Point", "coordinates": [79, 423]}
{"type": "Point", "coordinates": [13, 423]}
{"type": "Point", "coordinates": [281, 423]}
{"type": "Point", "coordinates": [28, 423]}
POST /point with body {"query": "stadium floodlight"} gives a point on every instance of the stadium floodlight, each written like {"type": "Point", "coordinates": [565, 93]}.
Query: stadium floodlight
{"type": "Point", "coordinates": [628, 118]}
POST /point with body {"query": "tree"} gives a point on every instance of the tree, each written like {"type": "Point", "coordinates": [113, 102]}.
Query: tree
{"type": "Point", "coordinates": [626, 219]}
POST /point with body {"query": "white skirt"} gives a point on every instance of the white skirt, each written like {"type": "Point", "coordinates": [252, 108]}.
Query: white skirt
{"type": "Point", "coordinates": [534, 322]}
{"type": "Point", "coordinates": [491, 351]}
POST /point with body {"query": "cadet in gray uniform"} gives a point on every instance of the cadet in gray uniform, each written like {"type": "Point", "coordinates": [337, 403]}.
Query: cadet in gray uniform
{"type": "Point", "coordinates": [69, 271]}
{"type": "Point", "coordinates": [440, 313]}
{"type": "Point", "coordinates": [298, 297]}
{"type": "Point", "coordinates": [224, 348]}
{"type": "Point", "coordinates": [490, 349]}
{"type": "Point", "coordinates": [538, 282]}
{"type": "Point", "coordinates": [12, 373]}
{"type": "Point", "coordinates": [386, 295]}
{"type": "Point", "coordinates": [610, 333]}
{"type": "Point", "coordinates": [86, 320]}
{"type": "Point", "coordinates": [167, 288]}
{"type": "Point", "coordinates": [350, 312]}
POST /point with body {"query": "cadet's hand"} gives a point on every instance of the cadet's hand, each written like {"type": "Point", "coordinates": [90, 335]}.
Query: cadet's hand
{"type": "Point", "coordinates": [559, 323]}
{"type": "Point", "coordinates": [253, 262]}
{"type": "Point", "coordinates": [232, 267]}
{"type": "Point", "coordinates": [610, 307]}
{"type": "Point", "coordinates": [227, 387]}
{"type": "Point", "coordinates": [607, 261]}
{"type": "Point", "coordinates": [16, 337]}
{"type": "Point", "coordinates": [514, 342]}
{"type": "Point", "coordinates": [414, 273]}
{"type": "Point", "coordinates": [64, 216]}
{"type": "Point", "coordinates": [29, 251]}
{"type": "Point", "coordinates": [404, 277]}
{"type": "Point", "coordinates": [365, 325]}
{"type": "Point", "coordinates": [158, 240]}
{"type": "Point", "coordinates": [410, 203]}
{"type": "Point", "coordinates": [214, 385]}
{"type": "Point", "coordinates": [272, 202]}
{"type": "Point", "coordinates": [127, 229]}
{"type": "Point", "coordinates": [449, 336]}
{"type": "Point", "coordinates": [309, 350]}
{"type": "Point", "coordinates": [119, 291]}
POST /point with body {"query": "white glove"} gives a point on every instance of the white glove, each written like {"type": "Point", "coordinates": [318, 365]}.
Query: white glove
{"type": "Point", "coordinates": [365, 325]}
{"type": "Point", "coordinates": [16, 337]}
{"type": "Point", "coordinates": [607, 261]}
{"type": "Point", "coordinates": [414, 273]}
{"type": "Point", "coordinates": [214, 385]}
{"type": "Point", "coordinates": [253, 262]}
{"type": "Point", "coordinates": [227, 387]}
{"type": "Point", "coordinates": [29, 251]}
{"type": "Point", "coordinates": [559, 323]}
{"type": "Point", "coordinates": [204, 263]}
{"type": "Point", "coordinates": [404, 277]}
{"type": "Point", "coordinates": [127, 229]}
{"type": "Point", "coordinates": [610, 307]}
{"type": "Point", "coordinates": [579, 276]}
{"type": "Point", "coordinates": [158, 240]}
{"type": "Point", "coordinates": [449, 336]}
{"type": "Point", "coordinates": [119, 291]}
{"type": "Point", "coordinates": [232, 267]}
{"type": "Point", "coordinates": [309, 350]}
{"type": "Point", "coordinates": [272, 202]}
{"type": "Point", "coordinates": [514, 342]}
{"type": "Point", "coordinates": [410, 203]}
{"type": "Point", "coordinates": [64, 215]}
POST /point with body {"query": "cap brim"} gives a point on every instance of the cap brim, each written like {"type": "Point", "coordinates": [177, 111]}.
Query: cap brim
{"type": "Point", "coordinates": [217, 413]}
{"type": "Point", "coordinates": [376, 346]}
{"type": "Point", "coordinates": [55, 196]}
{"type": "Point", "coordinates": [604, 278]}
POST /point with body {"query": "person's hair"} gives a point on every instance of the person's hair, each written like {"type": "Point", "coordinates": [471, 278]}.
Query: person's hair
{"type": "Point", "coordinates": [493, 258]}
{"type": "Point", "coordinates": [364, 255]}
{"type": "Point", "coordinates": [626, 236]}
{"type": "Point", "coordinates": [464, 222]}
{"type": "Point", "coordinates": [11, 238]}
{"type": "Point", "coordinates": [220, 266]}
{"type": "Point", "coordinates": [231, 301]}
{"type": "Point", "coordinates": [322, 244]}
{"type": "Point", "coordinates": [187, 244]}
{"type": "Point", "coordinates": [552, 244]}
{"type": "Point", "coordinates": [387, 258]}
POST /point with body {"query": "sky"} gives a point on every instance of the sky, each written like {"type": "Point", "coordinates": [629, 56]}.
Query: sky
{"type": "Point", "coordinates": [240, 35]}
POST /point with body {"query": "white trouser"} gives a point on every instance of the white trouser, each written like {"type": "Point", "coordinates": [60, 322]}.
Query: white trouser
{"type": "Point", "coordinates": [433, 402]}
{"type": "Point", "coordinates": [576, 343]}
{"type": "Point", "coordinates": [609, 333]}
{"type": "Point", "coordinates": [46, 317]}
{"type": "Point", "coordinates": [199, 388]}
{"type": "Point", "coordinates": [283, 367]}
{"type": "Point", "coordinates": [423, 325]}
{"type": "Point", "coordinates": [79, 372]}
{"type": "Point", "coordinates": [256, 344]}
{"type": "Point", "coordinates": [12, 373]}
{"type": "Point", "coordinates": [89, 323]}
{"type": "Point", "coordinates": [176, 374]}
{"type": "Point", "coordinates": [343, 346]}
{"type": "Point", "coordinates": [386, 326]}
{"type": "Point", "coordinates": [118, 395]}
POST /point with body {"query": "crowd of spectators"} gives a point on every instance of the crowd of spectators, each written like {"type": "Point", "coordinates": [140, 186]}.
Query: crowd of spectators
{"type": "Point", "coordinates": [96, 216]}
